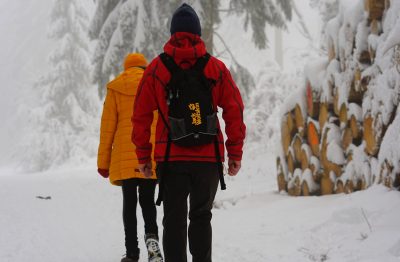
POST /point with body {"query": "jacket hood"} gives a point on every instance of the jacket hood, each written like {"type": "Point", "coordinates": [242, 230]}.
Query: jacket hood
{"type": "Point", "coordinates": [127, 82]}
{"type": "Point", "coordinates": [185, 46]}
{"type": "Point", "coordinates": [135, 59]}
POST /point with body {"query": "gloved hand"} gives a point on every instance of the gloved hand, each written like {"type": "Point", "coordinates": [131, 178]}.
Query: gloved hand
{"type": "Point", "coordinates": [234, 167]}
{"type": "Point", "coordinates": [103, 172]}
{"type": "Point", "coordinates": [146, 169]}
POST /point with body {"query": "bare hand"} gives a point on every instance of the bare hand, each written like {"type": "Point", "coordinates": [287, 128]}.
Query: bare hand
{"type": "Point", "coordinates": [234, 167]}
{"type": "Point", "coordinates": [146, 169]}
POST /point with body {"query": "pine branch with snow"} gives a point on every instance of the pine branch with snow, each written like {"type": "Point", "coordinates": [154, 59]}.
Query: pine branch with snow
{"type": "Point", "coordinates": [62, 122]}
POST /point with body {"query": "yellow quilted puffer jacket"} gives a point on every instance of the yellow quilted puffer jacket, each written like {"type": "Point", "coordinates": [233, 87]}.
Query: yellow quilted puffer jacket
{"type": "Point", "coordinates": [116, 151]}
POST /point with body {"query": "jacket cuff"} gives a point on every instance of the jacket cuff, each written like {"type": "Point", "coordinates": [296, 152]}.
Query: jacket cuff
{"type": "Point", "coordinates": [235, 151]}
{"type": "Point", "coordinates": [103, 162]}
{"type": "Point", "coordinates": [236, 157]}
{"type": "Point", "coordinates": [143, 159]}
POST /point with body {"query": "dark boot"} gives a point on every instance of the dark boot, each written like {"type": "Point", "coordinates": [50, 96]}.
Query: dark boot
{"type": "Point", "coordinates": [128, 259]}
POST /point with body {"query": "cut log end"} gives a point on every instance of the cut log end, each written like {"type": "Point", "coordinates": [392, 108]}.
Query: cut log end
{"type": "Point", "coordinates": [313, 138]}
{"type": "Point", "coordinates": [304, 158]}
{"type": "Point", "coordinates": [296, 145]}
{"type": "Point", "coordinates": [312, 101]}
{"type": "Point", "coordinates": [375, 9]}
{"type": "Point", "coordinates": [371, 143]}
{"type": "Point", "coordinates": [305, 190]}
{"type": "Point", "coordinates": [326, 184]}
{"type": "Point", "coordinates": [282, 183]}
{"type": "Point", "coordinates": [355, 128]}
{"type": "Point", "coordinates": [339, 187]}
{"type": "Point", "coordinates": [347, 138]}
{"type": "Point", "coordinates": [290, 162]}
{"type": "Point", "coordinates": [295, 190]}
{"type": "Point", "coordinates": [299, 120]}
{"type": "Point", "coordinates": [343, 115]}
{"type": "Point", "coordinates": [323, 115]}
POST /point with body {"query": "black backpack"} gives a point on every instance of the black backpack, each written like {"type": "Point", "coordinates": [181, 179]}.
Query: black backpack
{"type": "Point", "coordinates": [192, 117]}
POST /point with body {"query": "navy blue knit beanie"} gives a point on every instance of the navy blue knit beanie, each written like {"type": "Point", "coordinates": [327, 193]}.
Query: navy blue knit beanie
{"type": "Point", "coordinates": [185, 19]}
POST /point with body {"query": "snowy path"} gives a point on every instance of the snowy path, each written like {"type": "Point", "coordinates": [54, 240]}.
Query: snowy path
{"type": "Point", "coordinates": [252, 222]}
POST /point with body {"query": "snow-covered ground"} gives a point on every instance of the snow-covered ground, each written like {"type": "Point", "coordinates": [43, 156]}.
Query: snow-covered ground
{"type": "Point", "coordinates": [251, 222]}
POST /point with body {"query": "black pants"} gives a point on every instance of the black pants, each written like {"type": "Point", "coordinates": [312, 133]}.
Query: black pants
{"type": "Point", "coordinates": [199, 181]}
{"type": "Point", "coordinates": [146, 201]}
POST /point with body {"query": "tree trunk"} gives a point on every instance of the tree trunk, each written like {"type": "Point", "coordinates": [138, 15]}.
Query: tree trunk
{"type": "Point", "coordinates": [343, 115]}
{"type": "Point", "coordinates": [375, 9]}
{"type": "Point", "coordinates": [326, 184]}
{"type": "Point", "coordinates": [315, 168]}
{"type": "Point", "coordinates": [372, 53]}
{"type": "Point", "coordinates": [305, 189]}
{"type": "Point", "coordinates": [323, 115]}
{"type": "Point", "coordinates": [290, 161]}
{"type": "Point", "coordinates": [339, 187]}
{"type": "Point", "coordinates": [208, 28]}
{"type": "Point", "coordinates": [288, 131]}
{"type": "Point", "coordinates": [327, 165]}
{"type": "Point", "coordinates": [299, 120]}
{"type": "Point", "coordinates": [305, 155]}
{"type": "Point", "coordinates": [336, 106]}
{"type": "Point", "coordinates": [355, 128]}
{"type": "Point", "coordinates": [313, 138]}
{"type": "Point", "coordinates": [365, 57]}
{"type": "Point", "coordinates": [356, 94]}
{"type": "Point", "coordinates": [296, 145]}
{"type": "Point", "coordinates": [291, 124]}
{"type": "Point", "coordinates": [349, 187]}
{"type": "Point", "coordinates": [285, 136]}
{"type": "Point", "coordinates": [282, 183]}
{"type": "Point", "coordinates": [295, 189]}
{"type": "Point", "coordinates": [376, 27]}
{"type": "Point", "coordinates": [347, 138]}
{"type": "Point", "coordinates": [312, 102]}
{"type": "Point", "coordinates": [386, 174]}
{"type": "Point", "coordinates": [370, 137]}
{"type": "Point", "coordinates": [331, 50]}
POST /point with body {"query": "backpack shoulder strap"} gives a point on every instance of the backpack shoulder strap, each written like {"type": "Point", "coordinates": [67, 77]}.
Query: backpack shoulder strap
{"type": "Point", "coordinates": [169, 63]}
{"type": "Point", "coordinates": [201, 62]}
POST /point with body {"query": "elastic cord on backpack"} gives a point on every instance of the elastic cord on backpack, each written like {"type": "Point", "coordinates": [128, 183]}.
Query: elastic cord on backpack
{"type": "Point", "coordinates": [163, 170]}
{"type": "Point", "coordinates": [219, 164]}
{"type": "Point", "coordinates": [164, 166]}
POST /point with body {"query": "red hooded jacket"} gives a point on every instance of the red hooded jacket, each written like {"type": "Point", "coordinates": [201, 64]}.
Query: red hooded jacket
{"type": "Point", "coordinates": [185, 48]}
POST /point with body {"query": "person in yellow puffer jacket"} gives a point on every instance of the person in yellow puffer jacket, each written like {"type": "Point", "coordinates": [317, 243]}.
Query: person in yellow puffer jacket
{"type": "Point", "coordinates": [117, 158]}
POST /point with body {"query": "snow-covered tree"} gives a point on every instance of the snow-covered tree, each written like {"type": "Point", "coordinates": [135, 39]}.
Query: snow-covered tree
{"type": "Point", "coordinates": [61, 125]}
{"type": "Point", "coordinates": [259, 13]}
{"type": "Point", "coordinates": [328, 9]}
{"type": "Point", "coordinates": [125, 26]}
{"type": "Point", "coordinates": [149, 21]}
{"type": "Point", "coordinates": [273, 86]}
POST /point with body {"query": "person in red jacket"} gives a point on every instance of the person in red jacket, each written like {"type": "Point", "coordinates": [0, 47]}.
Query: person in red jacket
{"type": "Point", "coordinates": [192, 171]}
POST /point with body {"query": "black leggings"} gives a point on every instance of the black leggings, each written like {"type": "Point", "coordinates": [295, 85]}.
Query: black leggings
{"type": "Point", "coordinates": [146, 201]}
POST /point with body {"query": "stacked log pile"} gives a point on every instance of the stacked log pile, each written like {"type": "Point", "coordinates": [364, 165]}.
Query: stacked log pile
{"type": "Point", "coordinates": [332, 145]}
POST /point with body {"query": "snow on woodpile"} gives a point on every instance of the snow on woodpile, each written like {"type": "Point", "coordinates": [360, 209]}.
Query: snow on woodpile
{"type": "Point", "coordinates": [352, 137]}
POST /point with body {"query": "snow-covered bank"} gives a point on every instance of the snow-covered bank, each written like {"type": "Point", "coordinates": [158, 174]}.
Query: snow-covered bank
{"type": "Point", "coordinates": [271, 227]}
{"type": "Point", "coordinates": [252, 221]}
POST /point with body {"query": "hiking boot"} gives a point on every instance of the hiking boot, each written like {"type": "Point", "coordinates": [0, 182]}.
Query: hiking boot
{"type": "Point", "coordinates": [130, 258]}
{"type": "Point", "coordinates": [153, 248]}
